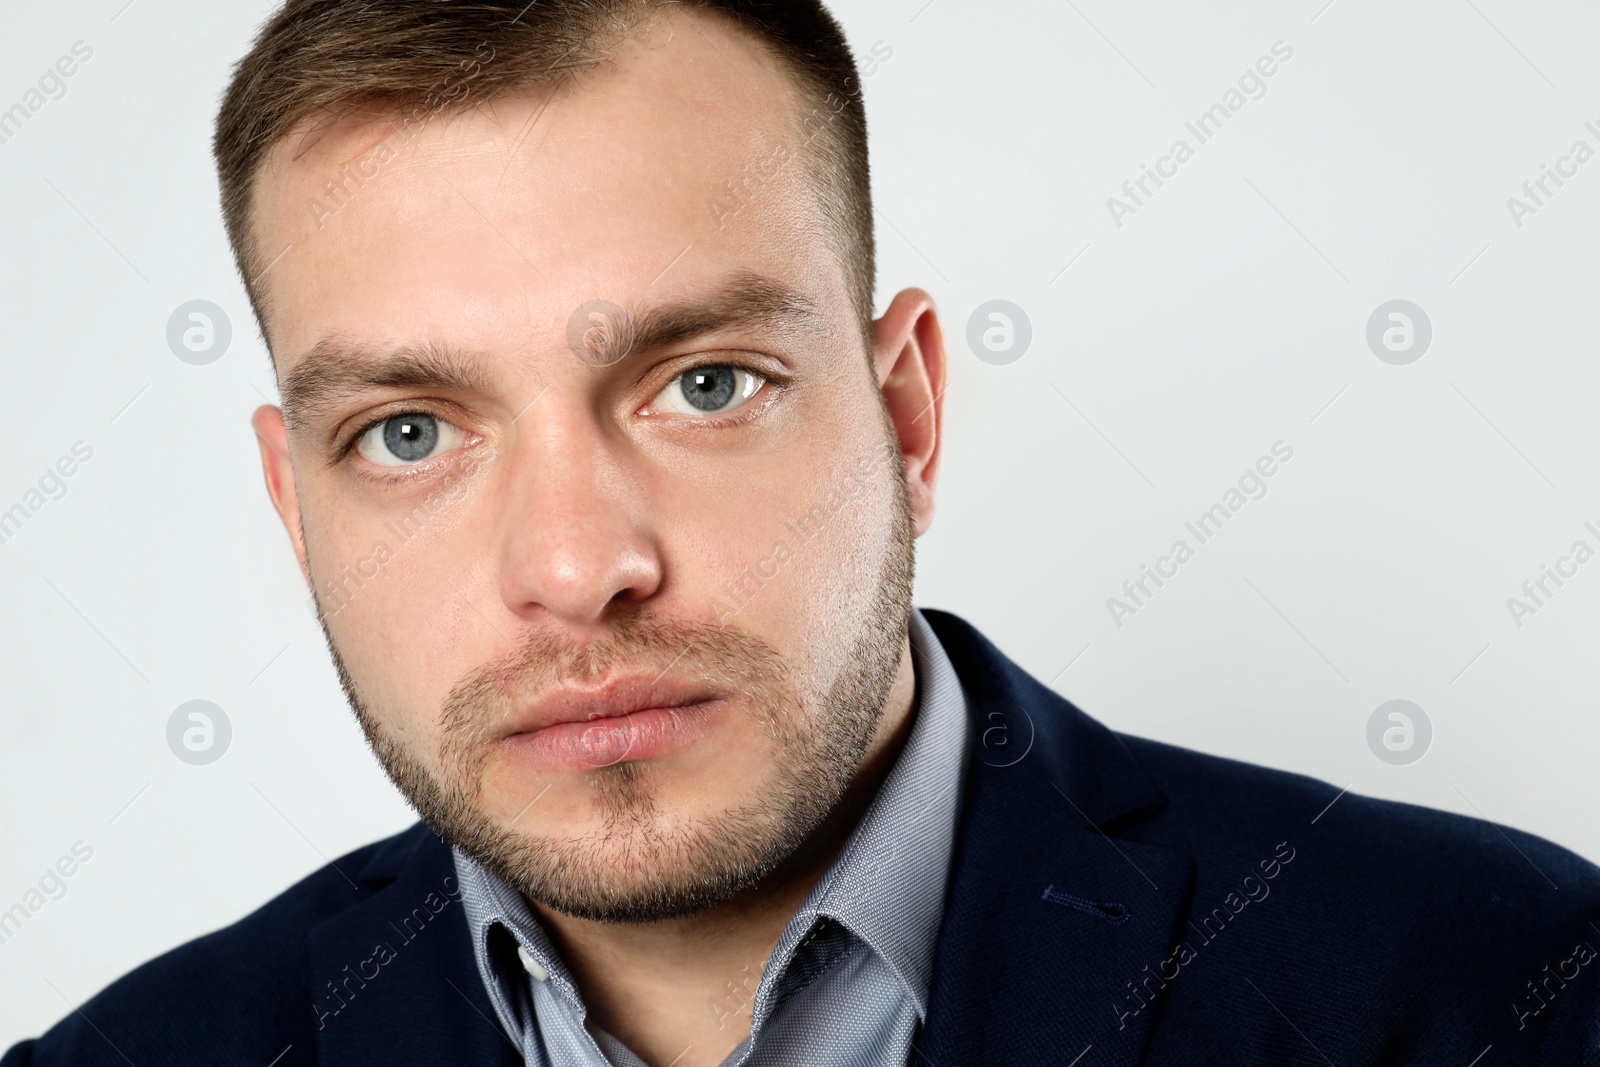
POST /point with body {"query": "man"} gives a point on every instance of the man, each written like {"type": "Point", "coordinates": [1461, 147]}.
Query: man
{"type": "Point", "coordinates": [606, 481]}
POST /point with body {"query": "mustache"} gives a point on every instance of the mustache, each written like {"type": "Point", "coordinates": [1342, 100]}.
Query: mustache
{"type": "Point", "coordinates": [723, 658]}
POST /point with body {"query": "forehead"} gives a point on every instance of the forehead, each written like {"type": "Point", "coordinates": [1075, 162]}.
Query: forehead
{"type": "Point", "coordinates": [671, 164]}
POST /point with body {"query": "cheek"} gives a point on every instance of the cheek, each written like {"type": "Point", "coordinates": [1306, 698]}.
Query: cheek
{"type": "Point", "coordinates": [397, 601]}
{"type": "Point", "coordinates": [844, 560]}
{"type": "Point", "coordinates": [798, 564]}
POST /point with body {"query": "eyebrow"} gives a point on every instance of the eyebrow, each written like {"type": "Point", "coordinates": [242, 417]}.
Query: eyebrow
{"type": "Point", "coordinates": [744, 300]}
{"type": "Point", "coordinates": [336, 368]}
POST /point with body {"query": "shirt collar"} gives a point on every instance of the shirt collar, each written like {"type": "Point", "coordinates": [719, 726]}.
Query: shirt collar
{"type": "Point", "coordinates": [886, 886]}
{"type": "Point", "coordinates": [490, 903]}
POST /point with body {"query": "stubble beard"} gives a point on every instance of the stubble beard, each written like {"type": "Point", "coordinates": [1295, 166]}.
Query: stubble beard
{"type": "Point", "coordinates": [645, 863]}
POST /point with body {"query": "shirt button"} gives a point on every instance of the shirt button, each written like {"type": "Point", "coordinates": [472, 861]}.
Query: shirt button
{"type": "Point", "coordinates": [531, 965]}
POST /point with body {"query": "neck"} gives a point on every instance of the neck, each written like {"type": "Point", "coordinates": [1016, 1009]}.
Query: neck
{"type": "Point", "coordinates": [661, 986]}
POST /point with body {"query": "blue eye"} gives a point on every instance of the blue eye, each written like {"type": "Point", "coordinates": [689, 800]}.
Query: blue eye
{"type": "Point", "coordinates": [713, 389]}
{"type": "Point", "coordinates": [707, 388]}
{"type": "Point", "coordinates": [408, 439]}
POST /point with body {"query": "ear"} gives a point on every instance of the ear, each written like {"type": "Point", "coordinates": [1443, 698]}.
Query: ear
{"type": "Point", "coordinates": [909, 356]}
{"type": "Point", "coordinates": [273, 440]}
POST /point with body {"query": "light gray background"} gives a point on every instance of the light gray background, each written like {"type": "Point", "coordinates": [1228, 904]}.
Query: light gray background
{"type": "Point", "coordinates": [1228, 313]}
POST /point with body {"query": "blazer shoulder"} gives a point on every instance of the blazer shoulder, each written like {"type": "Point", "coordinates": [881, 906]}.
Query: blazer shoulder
{"type": "Point", "coordinates": [1366, 850]}
{"type": "Point", "coordinates": [227, 995]}
{"type": "Point", "coordinates": [1223, 811]}
{"type": "Point", "coordinates": [1428, 924]}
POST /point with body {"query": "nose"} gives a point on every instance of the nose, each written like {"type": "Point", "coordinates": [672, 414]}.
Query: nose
{"type": "Point", "coordinates": [578, 544]}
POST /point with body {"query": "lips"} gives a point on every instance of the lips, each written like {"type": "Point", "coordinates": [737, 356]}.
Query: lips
{"type": "Point", "coordinates": [625, 720]}
{"type": "Point", "coordinates": [614, 699]}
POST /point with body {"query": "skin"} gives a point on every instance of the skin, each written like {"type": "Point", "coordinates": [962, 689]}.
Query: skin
{"type": "Point", "coordinates": [574, 496]}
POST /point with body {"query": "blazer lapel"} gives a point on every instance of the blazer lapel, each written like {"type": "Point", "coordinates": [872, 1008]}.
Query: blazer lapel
{"type": "Point", "coordinates": [393, 978]}
{"type": "Point", "coordinates": [1055, 928]}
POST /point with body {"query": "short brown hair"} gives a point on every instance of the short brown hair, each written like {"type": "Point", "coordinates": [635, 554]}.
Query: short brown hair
{"type": "Point", "coordinates": [324, 58]}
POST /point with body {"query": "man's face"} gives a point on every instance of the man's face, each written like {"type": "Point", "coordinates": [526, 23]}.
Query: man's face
{"type": "Point", "coordinates": [619, 600]}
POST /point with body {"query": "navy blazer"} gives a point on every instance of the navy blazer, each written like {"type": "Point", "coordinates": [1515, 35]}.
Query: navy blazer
{"type": "Point", "coordinates": [1112, 900]}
